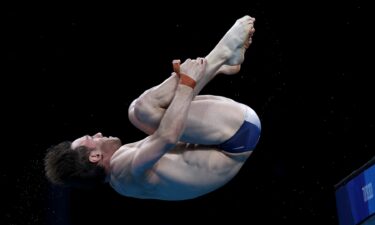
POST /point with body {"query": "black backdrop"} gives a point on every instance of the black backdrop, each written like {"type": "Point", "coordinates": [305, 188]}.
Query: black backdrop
{"type": "Point", "coordinates": [74, 69]}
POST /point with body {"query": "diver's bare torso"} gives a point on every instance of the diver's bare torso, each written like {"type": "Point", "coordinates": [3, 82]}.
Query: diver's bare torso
{"type": "Point", "coordinates": [186, 172]}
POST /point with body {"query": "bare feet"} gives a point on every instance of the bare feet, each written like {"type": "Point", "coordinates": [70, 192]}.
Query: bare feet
{"type": "Point", "coordinates": [229, 70]}
{"type": "Point", "coordinates": [237, 40]}
{"type": "Point", "coordinates": [228, 54]}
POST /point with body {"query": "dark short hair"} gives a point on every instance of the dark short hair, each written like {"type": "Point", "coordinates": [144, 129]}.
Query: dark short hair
{"type": "Point", "coordinates": [72, 168]}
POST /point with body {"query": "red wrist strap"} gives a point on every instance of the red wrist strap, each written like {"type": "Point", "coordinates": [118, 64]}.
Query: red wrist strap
{"type": "Point", "coordinates": [184, 79]}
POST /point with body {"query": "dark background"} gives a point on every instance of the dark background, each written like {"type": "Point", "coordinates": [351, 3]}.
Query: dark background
{"type": "Point", "coordinates": [73, 70]}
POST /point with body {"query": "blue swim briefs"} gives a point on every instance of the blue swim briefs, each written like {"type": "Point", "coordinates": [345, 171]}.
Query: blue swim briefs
{"type": "Point", "coordinates": [247, 136]}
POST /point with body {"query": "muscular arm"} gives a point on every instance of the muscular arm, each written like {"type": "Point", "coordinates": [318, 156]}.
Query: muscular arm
{"type": "Point", "coordinates": [171, 126]}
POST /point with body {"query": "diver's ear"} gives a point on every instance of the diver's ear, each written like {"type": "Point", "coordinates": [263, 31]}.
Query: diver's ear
{"type": "Point", "coordinates": [95, 156]}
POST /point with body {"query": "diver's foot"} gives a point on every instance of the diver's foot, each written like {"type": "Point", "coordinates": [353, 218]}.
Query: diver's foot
{"type": "Point", "coordinates": [229, 70]}
{"type": "Point", "coordinates": [237, 40]}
